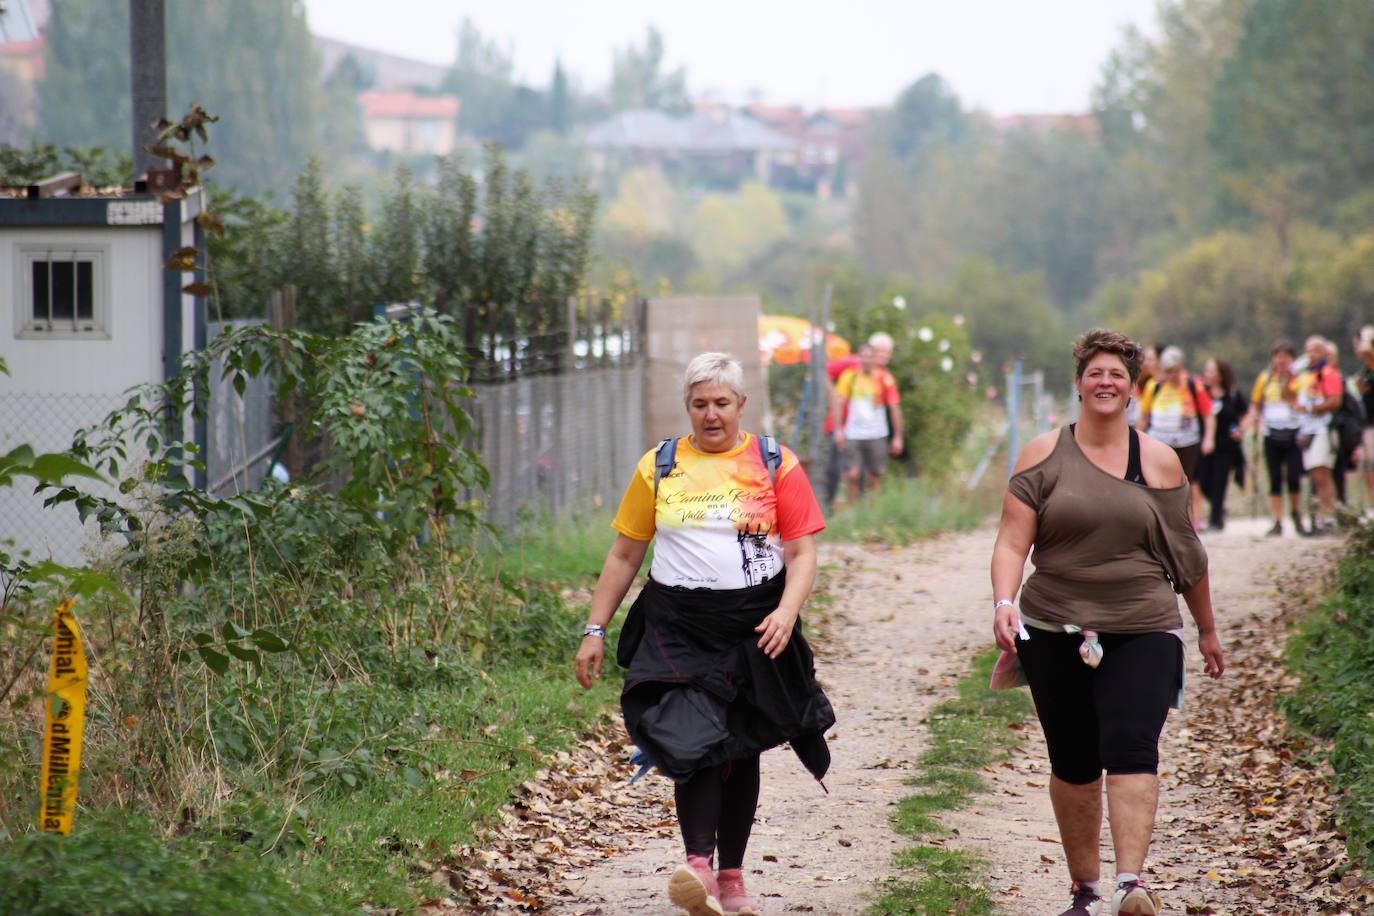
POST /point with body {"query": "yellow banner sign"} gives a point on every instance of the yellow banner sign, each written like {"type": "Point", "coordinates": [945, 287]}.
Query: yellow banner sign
{"type": "Point", "coordinates": [66, 718]}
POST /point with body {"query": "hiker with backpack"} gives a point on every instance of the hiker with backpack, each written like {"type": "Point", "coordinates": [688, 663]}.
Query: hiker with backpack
{"type": "Point", "coordinates": [1274, 410]}
{"type": "Point", "coordinates": [1320, 391]}
{"type": "Point", "coordinates": [1177, 410]}
{"type": "Point", "coordinates": [716, 667]}
{"type": "Point", "coordinates": [864, 402]}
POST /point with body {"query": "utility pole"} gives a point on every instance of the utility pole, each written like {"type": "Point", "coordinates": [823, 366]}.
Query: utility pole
{"type": "Point", "coordinates": [148, 76]}
{"type": "Point", "coordinates": [819, 387]}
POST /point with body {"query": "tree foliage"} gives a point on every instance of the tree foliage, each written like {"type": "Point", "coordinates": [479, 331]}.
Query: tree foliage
{"type": "Point", "coordinates": [1292, 115]}
{"type": "Point", "coordinates": [639, 78]}
{"type": "Point", "coordinates": [727, 231]}
{"type": "Point", "coordinates": [251, 60]}
{"type": "Point", "coordinates": [491, 247]}
{"type": "Point", "coordinates": [926, 116]}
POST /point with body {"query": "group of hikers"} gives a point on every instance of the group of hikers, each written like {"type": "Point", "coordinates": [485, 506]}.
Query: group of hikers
{"type": "Point", "coordinates": [717, 669]}
{"type": "Point", "coordinates": [1313, 421]}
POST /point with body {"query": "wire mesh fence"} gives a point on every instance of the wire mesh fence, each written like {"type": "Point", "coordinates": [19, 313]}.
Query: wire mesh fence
{"type": "Point", "coordinates": [47, 421]}
{"type": "Point", "coordinates": [239, 428]}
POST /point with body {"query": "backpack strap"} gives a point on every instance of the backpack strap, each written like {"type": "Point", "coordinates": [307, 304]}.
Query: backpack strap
{"type": "Point", "coordinates": [1197, 405]}
{"type": "Point", "coordinates": [665, 455]}
{"type": "Point", "coordinates": [771, 453]}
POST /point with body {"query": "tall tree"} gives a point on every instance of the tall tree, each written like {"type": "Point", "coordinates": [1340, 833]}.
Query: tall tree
{"type": "Point", "coordinates": [1154, 103]}
{"type": "Point", "coordinates": [341, 127]}
{"type": "Point", "coordinates": [250, 61]}
{"type": "Point", "coordinates": [560, 100]}
{"type": "Point", "coordinates": [925, 116]}
{"type": "Point", "coordinates": [639, 80]}
{"type": "Point", "coordinates": [1292, 117]}
{"type": "Point", "coordinates": [309, 256]}
{"type": "Point", "coordinates": [482, 75]}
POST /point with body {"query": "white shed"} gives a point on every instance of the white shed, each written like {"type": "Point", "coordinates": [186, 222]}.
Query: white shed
{"type": "Point", "coordinates": [87, 311]}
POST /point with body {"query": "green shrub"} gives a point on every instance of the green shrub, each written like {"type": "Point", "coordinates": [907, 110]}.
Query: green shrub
{"type": "Point", "coordinates": [1332, 650]}
{"type": "Point", "coordinates": [115, 864]}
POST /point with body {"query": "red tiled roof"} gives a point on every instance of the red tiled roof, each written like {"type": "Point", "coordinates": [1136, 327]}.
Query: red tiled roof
{"type": "Point", "coordinates": [849, 117]}
{"type": "Point", "coordinates": [21, 48]}
{"type": "Point", "coordinates": [402, 103]}
{"type": "Point", "coordinates": [785, 117]}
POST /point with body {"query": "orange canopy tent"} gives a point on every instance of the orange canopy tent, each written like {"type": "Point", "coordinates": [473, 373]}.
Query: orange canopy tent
{"type": "Point", "coordinates": [786, 339]}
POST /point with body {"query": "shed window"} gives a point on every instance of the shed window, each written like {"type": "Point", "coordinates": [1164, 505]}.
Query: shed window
{"type": "Point", "coordinates": [62, 293]}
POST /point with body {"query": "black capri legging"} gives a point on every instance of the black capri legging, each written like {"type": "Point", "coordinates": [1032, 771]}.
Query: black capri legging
{"type": "Point", "coordinates": [1108, 717]}
{"type": "Point", "coordinates": [1283, 458]}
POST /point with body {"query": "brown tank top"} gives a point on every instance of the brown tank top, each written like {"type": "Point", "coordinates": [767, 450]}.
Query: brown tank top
{"type": "Point", "coordinates": [1109, 555]}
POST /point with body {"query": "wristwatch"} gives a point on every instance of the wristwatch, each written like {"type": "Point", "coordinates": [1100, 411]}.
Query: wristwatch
{"type": "Point", "coordinates": [593, 629]}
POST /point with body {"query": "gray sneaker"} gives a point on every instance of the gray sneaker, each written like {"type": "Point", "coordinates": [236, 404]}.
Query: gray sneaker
{"type": "Point", "coordinates": [1134, 899]}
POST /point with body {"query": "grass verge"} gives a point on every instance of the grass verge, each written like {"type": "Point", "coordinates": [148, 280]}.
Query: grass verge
{"type": "Point", "coordinates": [904, 509]}
{"type": "Point", "coordinates": [566, 552]}
{"type": "Point", "coordinates": [335, 852]}
{"type": "Point", "coordinates": [1332, 651]}
{"type": "Point", "coordinates": [967, 733]}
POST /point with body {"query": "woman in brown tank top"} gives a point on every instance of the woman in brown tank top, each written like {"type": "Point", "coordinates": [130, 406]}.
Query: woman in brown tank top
{"type": "Point", "coordinates": [1098, 634]}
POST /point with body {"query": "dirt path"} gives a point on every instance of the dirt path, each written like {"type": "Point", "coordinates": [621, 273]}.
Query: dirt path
{"type": "Point", "coordinates": [902, 628]}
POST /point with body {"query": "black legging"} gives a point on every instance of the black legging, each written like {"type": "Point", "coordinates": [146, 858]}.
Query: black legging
{"type": "Point", "coordinates": [1283, 457]}
{"type": "Point", "coordinates": [715, 809]}
{"type": "Point", "coordinates": [1108, 717]}
{"type": "Point", "coordinates": [1214, 474]}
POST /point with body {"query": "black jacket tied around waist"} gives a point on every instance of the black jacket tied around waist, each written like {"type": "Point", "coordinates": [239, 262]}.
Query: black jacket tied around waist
{"type": "Point", "coordinates": [698, 689]}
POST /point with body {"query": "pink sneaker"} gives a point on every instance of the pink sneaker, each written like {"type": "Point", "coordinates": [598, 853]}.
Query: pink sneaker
{"type": "Point", "coordinates": [733, 897]}
{"type": "Point", "coordinates": [693, 888]}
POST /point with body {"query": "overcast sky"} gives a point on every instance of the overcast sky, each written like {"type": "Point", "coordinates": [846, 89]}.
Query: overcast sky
{"type": "Point", "coordinates": [1005, 56]}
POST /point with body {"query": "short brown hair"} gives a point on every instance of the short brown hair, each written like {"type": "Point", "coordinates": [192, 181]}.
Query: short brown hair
{"type": "Point", "coordinates": [1284, 345]}
{"type": "Point", "coordinates": [1100, 340]}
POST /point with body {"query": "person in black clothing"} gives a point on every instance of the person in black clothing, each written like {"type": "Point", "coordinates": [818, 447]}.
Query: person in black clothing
{"type": "Point", "coordinates": [1215, 470]}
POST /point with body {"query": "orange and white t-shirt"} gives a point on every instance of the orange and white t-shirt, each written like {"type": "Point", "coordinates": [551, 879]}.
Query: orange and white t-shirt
{"type": "Point", "coordinates": [718, 522]}
{"type": "Point", "coordinates": [867, 395]}
{"type": "Point", "coordinates": [1175, 409]}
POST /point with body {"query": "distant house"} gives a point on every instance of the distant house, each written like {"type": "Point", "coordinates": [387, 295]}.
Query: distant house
{"type": "Point", "coordinates": [403, 121]}
{"type": "Point", "coordinates": [718, 148]}
{"type": "Point", "coordinates": [831, 144]}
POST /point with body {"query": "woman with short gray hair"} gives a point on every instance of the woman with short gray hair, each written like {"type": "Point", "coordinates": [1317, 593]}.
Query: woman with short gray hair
{"type": "Point", "coordinates": [713, 368]}
{"type": "Point", "coordinates": [716, 668]}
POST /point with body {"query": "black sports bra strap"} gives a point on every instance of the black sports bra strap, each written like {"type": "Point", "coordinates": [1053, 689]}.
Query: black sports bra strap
{"type": "Point", "coordinates": [1135, 473]}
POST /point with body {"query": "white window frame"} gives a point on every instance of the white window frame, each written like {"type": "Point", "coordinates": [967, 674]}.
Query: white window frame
{"type": "Point", "coordinates": [27, 327]}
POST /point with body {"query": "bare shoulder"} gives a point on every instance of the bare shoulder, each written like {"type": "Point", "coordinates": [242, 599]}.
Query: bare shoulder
{"type": "Point", "coordinates": [1037, 450]}
{"type": "Point", "coordinates": [1160, 463]}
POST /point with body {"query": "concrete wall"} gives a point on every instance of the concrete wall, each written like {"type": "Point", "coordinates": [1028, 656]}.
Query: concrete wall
{"type": "Point", "coordinates": [680, 327]}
